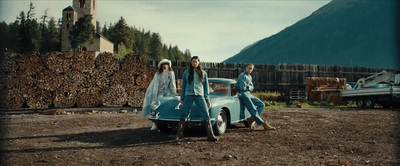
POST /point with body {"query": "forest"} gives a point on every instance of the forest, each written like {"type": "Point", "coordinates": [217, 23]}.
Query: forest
{"type": "Point", "coordinates": [43, 35]}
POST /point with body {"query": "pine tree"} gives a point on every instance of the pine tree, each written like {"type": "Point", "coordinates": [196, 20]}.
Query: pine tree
{"type": "Point", "coordinates": [28, 31]}
{"type": "Point", "coordinates": [119, 33]}
{"type": "Point", "coordinates": [82, 31]}
{"type": "Point", "coordinates": [121, 51]}
{"type": "Point", "coordinates": [155, 46]}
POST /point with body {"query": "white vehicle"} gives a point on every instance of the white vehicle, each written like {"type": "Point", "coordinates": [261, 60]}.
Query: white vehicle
{"type": "Point", "coordinates": [382, 88]}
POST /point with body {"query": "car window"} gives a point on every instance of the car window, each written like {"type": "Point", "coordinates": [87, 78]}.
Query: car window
{"type": "Point", "coordinates": [219, 88]}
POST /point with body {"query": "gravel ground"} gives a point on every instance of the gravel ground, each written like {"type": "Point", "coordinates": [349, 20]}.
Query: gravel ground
{"type": "Point", "coordinates": [304, 136]}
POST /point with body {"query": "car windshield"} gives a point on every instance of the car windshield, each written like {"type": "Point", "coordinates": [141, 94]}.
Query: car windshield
{"type": "Point", "coordinates": [219, 88]}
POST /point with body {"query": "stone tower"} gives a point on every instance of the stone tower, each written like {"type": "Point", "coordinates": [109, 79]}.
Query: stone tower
{"type": "Point", "coordinates": [71, 15]}
{"type": "Point", "coordinates": [85, 7]}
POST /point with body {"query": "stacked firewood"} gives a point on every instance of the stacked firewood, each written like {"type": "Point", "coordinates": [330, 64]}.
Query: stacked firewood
{"type": "Point", "coordinates": [72, 79]}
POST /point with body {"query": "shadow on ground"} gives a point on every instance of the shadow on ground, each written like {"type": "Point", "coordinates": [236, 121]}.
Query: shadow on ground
{"type": "Point", "coordinates": [107, 139]}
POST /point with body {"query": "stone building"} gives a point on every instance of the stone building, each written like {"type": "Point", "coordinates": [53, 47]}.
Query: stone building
{"type": "Point", "coordinates": [70, 15]}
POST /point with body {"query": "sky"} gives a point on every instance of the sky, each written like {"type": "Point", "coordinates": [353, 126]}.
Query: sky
{"type": "Point", "coordinates": [214, 30]}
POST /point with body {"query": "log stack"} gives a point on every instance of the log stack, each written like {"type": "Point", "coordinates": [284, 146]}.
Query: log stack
{"type": "Point", "coordinates": [65, 96]}
{"type": "Point", "coordinates": [115, 96]}
{"type": "Point", "coordinates": [136, 98]}
{"type": "Point", "coordinates": [88, 97]}
{"type": "Point", "coordinates": [39, 98]}
{"type": "Point", "coordinates": [77, 79]}
{"type": "Point", "coordinates": [58, 62]}
{"type": "Point", "coordinates": [107, 64]}
{"type": "Point", "coordinates": [83, 61]}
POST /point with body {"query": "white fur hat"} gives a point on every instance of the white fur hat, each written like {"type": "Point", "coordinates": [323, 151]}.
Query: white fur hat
{"type": "Point", "coordinates": [164, 61]}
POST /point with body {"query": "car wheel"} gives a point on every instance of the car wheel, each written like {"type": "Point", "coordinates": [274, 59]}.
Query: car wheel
{"type": "Point", "coordinates": [370, 102]}
{"type": "Point", "coordinates": [220, 123]}
{"type": "Point", "coordinates": [360, 103]}
{"type": "Point", "coordinates": [163, 127]}
{"type": "Point", "coordinates": [385, 104]}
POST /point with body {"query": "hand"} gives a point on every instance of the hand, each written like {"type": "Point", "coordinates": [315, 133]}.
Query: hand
{"type": "Point", "coordinates": [181, 102]}
{"type": "Point", "coordinates": [208, 104]}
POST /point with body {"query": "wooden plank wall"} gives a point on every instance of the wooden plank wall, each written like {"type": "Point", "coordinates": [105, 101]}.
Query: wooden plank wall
{"type": "Point", "coordinates": [268, 78]}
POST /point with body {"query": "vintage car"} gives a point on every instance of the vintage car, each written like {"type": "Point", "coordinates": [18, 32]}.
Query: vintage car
{"type": "Point", "coordinates": [226, 109]}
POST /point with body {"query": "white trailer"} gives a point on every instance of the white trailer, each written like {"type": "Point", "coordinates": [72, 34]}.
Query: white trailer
{"type": "Point", "coordinates": [382, 88]}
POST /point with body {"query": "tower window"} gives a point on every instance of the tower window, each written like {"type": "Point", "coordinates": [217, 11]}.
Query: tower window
{"type": "Point", "coordinates": [68, 16]}
{"type": "Point", "coordinates": [82, 3]}
{"type": "Point", "coordinates": [67, 26]}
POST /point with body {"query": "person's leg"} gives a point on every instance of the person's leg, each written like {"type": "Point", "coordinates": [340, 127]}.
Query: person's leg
{"type": "Point", "coordinates": [260, 107]}
{"type": "Point", "coordinates": [258, 103]}
{"type": "Point", "coordinates": [187, 103]}
{"type": "Point", "coordinates": [250, 106]}
{"type": "Point", "coordinates": [185, 109]}
{"type": "Point", "coordinates": [201, 103]}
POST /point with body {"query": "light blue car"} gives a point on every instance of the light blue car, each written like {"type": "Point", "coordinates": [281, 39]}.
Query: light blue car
{"type": "Point", "coordinates": [226, 109]}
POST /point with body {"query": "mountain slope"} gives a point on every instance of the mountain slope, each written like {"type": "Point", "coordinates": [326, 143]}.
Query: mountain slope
{"type": "Point", "coordinates": [343, 32]}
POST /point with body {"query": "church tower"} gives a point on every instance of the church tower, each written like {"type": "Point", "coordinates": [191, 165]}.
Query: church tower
{"type": "Point", "coordinates": [72, 14]}
{"type": "Point", "coordinates": [69, 17]}
{"type": "Point", "coordinates": [86, 7]}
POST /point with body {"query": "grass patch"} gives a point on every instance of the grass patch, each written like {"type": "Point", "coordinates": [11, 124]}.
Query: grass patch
{"type": "Point", "coordinates": [270, 100]}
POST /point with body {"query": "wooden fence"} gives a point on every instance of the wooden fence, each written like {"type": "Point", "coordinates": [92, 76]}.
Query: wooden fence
{"type": "Point", "coordinates": [284, 78]}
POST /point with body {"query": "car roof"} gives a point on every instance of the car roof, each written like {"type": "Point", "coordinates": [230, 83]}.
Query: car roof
{"type": "Point", "coordinates": [222, 80]}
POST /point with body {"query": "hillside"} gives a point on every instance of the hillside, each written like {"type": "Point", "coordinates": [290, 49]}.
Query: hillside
{"type": "Point", "coordinates": [343, 32]}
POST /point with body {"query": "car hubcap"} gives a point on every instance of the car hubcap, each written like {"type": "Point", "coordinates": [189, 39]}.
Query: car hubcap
{"type": "Point", "coordinates": [221, 123]}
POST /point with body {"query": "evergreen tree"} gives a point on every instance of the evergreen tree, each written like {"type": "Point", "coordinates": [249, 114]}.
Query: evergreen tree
{"type": "Point", "coordinates": [50, 37]}
{"type": "Point", "coordinates": [28, 31]}
{"type": "Point", "coordinates": [121, 51]}
{"type": "Point", "coordinates": [187, 54]}
{"type": "Point", "coordinates": [98, 28]}
{"type": "Point", "coordinates": [155, 46]}
{"type": "Point", "coordinates": [119, 33]}
{"type": "Point", "coordinates": [82, 31]}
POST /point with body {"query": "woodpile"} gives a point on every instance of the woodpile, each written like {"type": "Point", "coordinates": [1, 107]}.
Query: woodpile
{"type": "Point", "coordinates": [72, 79]}
{"type": "Point", "coordinates": [325, 88]}
{"type": "Point", "coordinates": [65, 97]}
{"type": "Point", "coordinates": [83, 61]}
{"type": "Point", "coordinates": [39, 99]}
{"type": "Point", "coordinates": [134, 62]}
{"type": "Point", "coordinates": [107, 64]}
{"type": "Point", "coordinates": [11, 99]}
{"type": "Point", "coordinates": [47, 80]}
{"type": "Point", "coordinates": [136, 98]}
{"type": "Point", "coordinates": [58, 62]}
{"type": "Point", "coordinates": [9, 62]}
{"type": "Point", "coordinates": [115, 96]}
{"type": "Point", "coordinates": [88, 97]}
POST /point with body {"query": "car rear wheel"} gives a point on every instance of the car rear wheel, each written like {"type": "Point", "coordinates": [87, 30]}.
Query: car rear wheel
{"type": "Point", "coordinates": [370, 102]}
{"type": "Point", "coordinates": [220, 123]}
{"type": "Point", "coordinates": [360, 103]}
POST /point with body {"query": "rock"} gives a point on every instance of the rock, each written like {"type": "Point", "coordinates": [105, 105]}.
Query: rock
{"type": "Point", "coordinates": [124, 111]}
{"type": "Point", "coordinates": [135, 111]}
{"type": "Point", "coordinates": [228, 156]}
{"type": "Point", "coordinates": [54, 112]}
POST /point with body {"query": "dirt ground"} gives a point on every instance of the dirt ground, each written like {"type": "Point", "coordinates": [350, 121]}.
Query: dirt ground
{"type": "Point", "coordinates": [304, 136]}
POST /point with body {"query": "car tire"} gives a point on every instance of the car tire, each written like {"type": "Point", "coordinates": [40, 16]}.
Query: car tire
{"type": "Point", "coordinates": [163, 127]}
{"type": "Point", "coordinates": [360, 103]}
{"type": "Point", "coordinates": [370, 102]}
{"type": "Point", "coordinates": [385, 104]}
{"type": "Point", "coordinates": [221, 123]}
